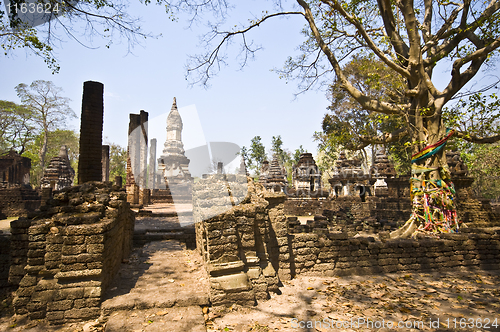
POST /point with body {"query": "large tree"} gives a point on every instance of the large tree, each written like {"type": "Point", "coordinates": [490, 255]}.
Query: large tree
{"type": "Point", "coordinates": [49, 110]}
{"type": "Point", "coordinates": [412, 39]}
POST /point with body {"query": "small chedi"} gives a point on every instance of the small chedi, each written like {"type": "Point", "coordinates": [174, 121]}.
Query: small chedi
{"type": "Point", "coordinates": [59, 174]}
{"type": "Point", "coordinates": [273, 176]}
{"type": "Point", "coordinates": [348, 178]}
{"type": "Point", "coordinates": [173, 164]}
{"type": "Point", "coordinates": [381, 170]}
{"type": "Point", "coordinates": [306, 177]}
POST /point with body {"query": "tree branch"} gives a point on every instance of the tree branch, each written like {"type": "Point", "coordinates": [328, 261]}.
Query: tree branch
{"type": "Point", "coordinates": [461, 33]}
{"type": "Point", "coordinates": [397, 42]}
{"type": "Point", "coordinates": [209, 61]}
{"type": "Point", "coordinates": [335, 4]}
{"type": "Point", "coordinates": [366, 102]}
{"type": "Point", "coordinates": [477, 139]}
{"type": "Point", "coordinates": [382, 139]}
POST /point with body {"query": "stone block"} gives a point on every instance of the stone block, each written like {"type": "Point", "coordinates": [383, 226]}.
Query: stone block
{"type": "Point", "coordinates": [82, 313]}
{"type": "Point", "coordinates": [55, 315]}
{"type": "Point", "coordinates": [60, 305]}
{"type": "Point", "coordinates": [232, 282]}
{"type": "Point", "coordinates": [95, 248]}
{"type": "Point", "coordinates": [44, 296]}
{"type": "Point", "coordinates": [86, 303]}
{"type": "Point", "coordinates": [77, 239]}
{"type": "Point", "coordinates": [73, 249]}
{"type": "Point", "coordinates": [52, 256]}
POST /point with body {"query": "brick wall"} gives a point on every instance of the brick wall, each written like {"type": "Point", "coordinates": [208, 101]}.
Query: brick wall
{"type": "Point", "coordinates": [18, 201]}
{"type": "Point", "coordinates": [5, 260]}
{"type": "Point", "coordinates": [337, 254]}
{"type": "Point", "coordinates": [64, 257]}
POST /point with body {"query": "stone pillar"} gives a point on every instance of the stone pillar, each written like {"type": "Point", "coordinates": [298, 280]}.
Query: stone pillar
{"type": "Point", "coordinates": [133, 159]}
{"type": "Point", "coordinates": [143, 150]}
{"type": "Point", "coordinates": [89, 164]}
{"type": "Point", "coordinates": [220, 168]}
{"type": "Point", "coordinates": [152, 164]}
{"type": "Point", "coordinates": [133, 148]}
{"type": "Point", "coordinates": [105, 163]}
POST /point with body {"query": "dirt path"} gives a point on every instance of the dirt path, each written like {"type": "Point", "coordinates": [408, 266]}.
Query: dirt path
{"type": "Point", "coordinates": [156, 278]}
{"type": "Point", "coordinates": [416, 299]}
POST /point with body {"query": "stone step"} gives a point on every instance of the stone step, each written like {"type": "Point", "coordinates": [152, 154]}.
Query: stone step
{"type": "Point", "coordinates": [176, 319]}
{"type": "Point", "coordinates": [154, 297]}
{"type": "Point", "coordinates": [148, 213]}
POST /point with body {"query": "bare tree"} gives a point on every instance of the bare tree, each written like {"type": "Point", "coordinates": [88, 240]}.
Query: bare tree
{"type": "Point", "coordinates": [48, 108]}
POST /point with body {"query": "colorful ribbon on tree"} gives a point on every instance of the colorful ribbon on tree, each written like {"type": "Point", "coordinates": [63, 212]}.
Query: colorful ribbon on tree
{"type": "Point", "coordinates": [432, 149]}
{"type": "Point", "coordinates": [433, 202]}
{"type": "Point", "coordinates": [434, 206]}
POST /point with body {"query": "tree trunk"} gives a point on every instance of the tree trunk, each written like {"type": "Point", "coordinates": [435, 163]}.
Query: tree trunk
{"type": "Point", "coordinates": [431, 190]}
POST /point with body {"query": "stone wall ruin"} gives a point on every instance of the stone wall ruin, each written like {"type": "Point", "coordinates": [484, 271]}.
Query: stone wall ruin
{"type": "Point", "coordinates": [239, 243]}
{"type": "Point", "coordinates": [64, 256]}
{"type": "Point", "coordinates": [17, 197]}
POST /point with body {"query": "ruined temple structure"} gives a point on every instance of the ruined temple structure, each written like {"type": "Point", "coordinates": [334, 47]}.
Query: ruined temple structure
{"type": "Point", "coordinates": [306, 177]}
{"type": "Point", "coordinates": [240, 243]}
{"type": "Point", "coordinates": [15, 169]}
{"type": "Point", "coordinates": [381, 170]}
{"type": "Point", "coordinates": [59, 174]}
{"type": "Point", "coordinates": [349, 179]}
{"type": "Point", "coordinates": [17, 197]}
{"type": "Point", "coordinates": [264, 171]}
{"type": "Point", "coordinates": [173, 163]}
{"type": "Point", "coordinates": [273, 176]}
{"type": "Point", "coordinates": [243, 168]}
{"type": "Point", "coordinates": [136, 183]}
{"type": "Point", "coordinates": [105, 163]}
{"type": "Point", "coordinates": [65, 255]}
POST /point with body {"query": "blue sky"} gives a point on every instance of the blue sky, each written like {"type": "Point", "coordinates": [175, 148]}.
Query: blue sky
{"type": "Point", "coordinates": [239, 104]}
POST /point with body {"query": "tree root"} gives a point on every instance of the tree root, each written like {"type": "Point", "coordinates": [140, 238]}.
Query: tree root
{"type": "Point", "coordinates": [405, 231]}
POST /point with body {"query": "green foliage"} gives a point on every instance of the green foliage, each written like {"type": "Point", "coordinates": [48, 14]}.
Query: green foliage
{"type": "Point", "coordinates": [117, 162]}
{"type": "Point", "coordinates": [257, 155]}
{"type": "Point", "coordinates": [297, 153]}
{"type": "Point", "coordinates": [478, 115]}
{"type": "Point", "coordinates": [483, 165]}
{"type": "Point", "coordinates": [16, 128]}
{"type": "Point", "coordinates": [276, 148]}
